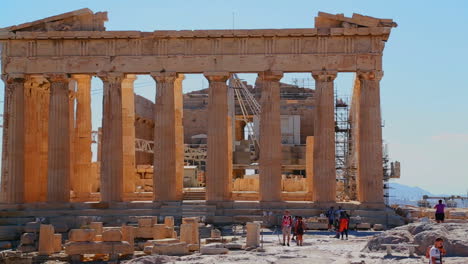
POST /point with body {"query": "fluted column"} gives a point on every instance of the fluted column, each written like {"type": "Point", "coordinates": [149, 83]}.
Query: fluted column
{"type": "Point", "coordinates": [168, 137]}
{"type": "Point", "coordinates": [128, 133]}
{"type": "Point", "coordinates": [58, 176]}
{"type": "Point", "coordinates": [324, 176]}
{"type": "Point", "coordinates": [71, 120]}
{"type": "Point", "coordinates": [112, 143]}
{"type": "Point", "coordinates": [369, 145]}
{"type": "Point", "coordinates": [219, 156]}
{"type": "Point", "coordinates": [12, 185]}
{"type": "Point", "coordinates": [270, 137]}
{"type": "Point", "coordinates": [36, 116]}
{"type": "Point", "coordinates": [82, 143]}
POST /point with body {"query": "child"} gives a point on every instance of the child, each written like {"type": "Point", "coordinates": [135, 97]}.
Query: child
{"type": "Point", "coordinates": [300, 228]}
{"type": "Point", "coordinates": [294, 221]}
{"type": "Point", "coordinates": [344, 223]}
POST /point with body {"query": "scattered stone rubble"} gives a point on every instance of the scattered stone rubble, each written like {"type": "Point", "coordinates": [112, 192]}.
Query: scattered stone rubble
{"type": "Point", "coordinates": [455, 237]}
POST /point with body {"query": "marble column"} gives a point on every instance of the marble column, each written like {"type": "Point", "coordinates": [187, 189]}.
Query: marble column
{"type": "Point", "coordinates": [128, 133]}
{"type": "Point", "coordinates": [270, 137]}
{"type": "Point", "coordinates": [12, 185]}
{"type": "Point", "coordinates": [168, 138]}
{"type": "Point", "coordinates": [219, 156]}
{"type": "Point", "coordinates": [324, 176]}
{"type": "Point", "coordinates": [71, 120]}
{"type": "Point", "coordinates": [82, 143]}
{"type": "Point", "coordinates": [369, 145]}
{"type": "Point", "coordinates": [37, 96]}
{"type": "Point", "coordinates": [58, 176]}
{"type": "Point", "coordinates": [112, 143]}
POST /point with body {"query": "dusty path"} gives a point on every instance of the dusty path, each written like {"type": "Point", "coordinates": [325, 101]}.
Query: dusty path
{"type": "Point", "coordinates": [319, 247]}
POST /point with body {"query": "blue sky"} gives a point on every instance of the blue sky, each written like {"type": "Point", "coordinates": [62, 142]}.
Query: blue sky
{"type": "Point", "coordinates": [424, 90]}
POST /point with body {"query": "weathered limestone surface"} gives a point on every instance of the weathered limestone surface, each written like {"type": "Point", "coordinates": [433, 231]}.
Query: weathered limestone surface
{"type": "Point", "coordinates": [270, 138]}
{"type": "Point", "coordinates": [112, 235]}
{"type": "Point", "coordinates": [186, 234]}
{"type": "Point", "coordinates": [168, 137]}
{"type": "Point", "coordinates": [79, 248]}
{"type": "Point", "coordinates": [57, 242]}
{"type": "Point", "coordinates": [128, 234]}
{"type": "Point", "coordinates": [82, 235]}
{"type": "Point", "coordinates": [58, 176]}
{"type": "Point", "coordinates": [128, 133]}
{"type": "Point", "coordinates": [369, 144]}
{"type": "Point", "coordinates": [159, 231]}
{"type": "Point", "coordinates": [310, 165]}
{"type": "Point", "coordinates": [169, 221]}
{"type": "Point", "coordinates": [112, 143]}
{"type": "Point", "coordinates": [36, 99]}
{"type": "Point", "coordinates": [12, 184]}
{"type": "Point", "coordinates": [253, 234]}
{"type": "Point", "coordinates": [176, 249]}
{"type": "Point", "coordinates": [324, 177]}
{"type": "Point", "coordinates": [71, 133]}
{"type": "Point", "coordinates": [80, 183]}
{"type": "Point", "coordinates": [46, 239]}
{"type": "Point", "coordinates": [219, 156]}
{"type": "Point", "coordinates": [97, 226]}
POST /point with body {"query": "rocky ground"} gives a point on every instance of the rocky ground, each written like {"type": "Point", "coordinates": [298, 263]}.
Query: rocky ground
{"type": "Point", "coordinates": [319, 247]}
{"type": "Point", "coordinates": [363, 247]}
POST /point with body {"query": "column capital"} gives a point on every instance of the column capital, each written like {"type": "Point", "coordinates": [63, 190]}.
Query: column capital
{"type": "Point", "coordinates": [167, 76]}
{"type": "Point", "coordinates": [324, 76]}
{"type": "Point", "coordinates": [13, 77]}
{"type": "Point", "coordinates": [274, 76]}
{"type": "Point", "coordinates": [56, 77]}
{"type": "Point", "coordinates": [217, 76]}
{"type": "Point", "coordinates": [130, 77]}
{"type": "Point", "coordinates": [111, 77]}
{"type": "Point", "coordinates": [84, 77]}
{"type": "Point", "coordinates": [370, 75]}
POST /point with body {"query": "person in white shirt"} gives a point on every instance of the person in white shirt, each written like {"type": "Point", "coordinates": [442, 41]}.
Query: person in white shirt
{"type": "Point", "coordinates": [436, 252]}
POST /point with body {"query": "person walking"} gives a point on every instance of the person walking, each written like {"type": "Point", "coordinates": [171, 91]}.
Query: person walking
{"type": "Point", "coordinates": [440, 212]}
{"type": "Point", "coordinates": [286, 225]}
{"type": "Point", "coordinates": [337, 221]}
{"type": "Point", "coordinates": [294, 227]}
{"type": "Point", "coordinates": [344, 225]}
{"type": "Point", "coordinates": [330, 214]}
{"type": "Point", "coordinates": [300, 228]}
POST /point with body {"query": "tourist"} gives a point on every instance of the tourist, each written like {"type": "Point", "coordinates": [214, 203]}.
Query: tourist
{"type": "Point", "coordinates": [286, 225]}
{"type": "Point", "coordinates": [331, 217]}
{"type": "Point", "coordinates": [294, 225]}
{"type": "Point", "coordinates": [440, 214]}
{"type": "Point", "coordinates": [300, 228]}
{"type": "Point", "coordinates": [436, 252]}
{"type": "Point", "coordinates": [337, 221]}
{"type": "Point", "coordinates": [344, 225]}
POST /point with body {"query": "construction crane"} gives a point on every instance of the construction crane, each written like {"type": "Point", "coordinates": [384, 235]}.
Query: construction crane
{"type": "Point", "coordinates": [449, 200]}
{"type": "Point", "coordinates": [249, 107]}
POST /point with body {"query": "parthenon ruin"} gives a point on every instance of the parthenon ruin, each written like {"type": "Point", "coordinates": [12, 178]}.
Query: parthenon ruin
{"type": "Point", "coordinates": [47, 66]}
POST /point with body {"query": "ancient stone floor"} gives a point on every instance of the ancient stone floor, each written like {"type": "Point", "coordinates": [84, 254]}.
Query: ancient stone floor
{"type": "Point", "coordinates": [319, 247]}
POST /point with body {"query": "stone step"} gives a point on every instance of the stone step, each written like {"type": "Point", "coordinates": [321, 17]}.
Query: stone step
{"type": "Point", "coordinates": [16, 220]}
{"type": "Point", "coordinates": [10, 232]}
{"type": "Point", "coordinates": [79, 212]}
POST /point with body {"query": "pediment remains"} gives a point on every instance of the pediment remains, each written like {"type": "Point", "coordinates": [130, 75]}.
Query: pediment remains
{"type": "Point", "coordinates": [78, 20]}
{"type": "Point", "coordinates": [326, 20]}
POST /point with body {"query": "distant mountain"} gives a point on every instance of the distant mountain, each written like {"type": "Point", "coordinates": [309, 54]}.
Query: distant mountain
{"type": "Point", "coordinates": [408, 195]}
{"type": "Point", "coordinates": [403, 194]}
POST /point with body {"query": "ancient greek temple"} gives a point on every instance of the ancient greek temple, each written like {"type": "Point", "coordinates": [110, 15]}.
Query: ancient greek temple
{"type": "Point", "coordinates": [50, 62]}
